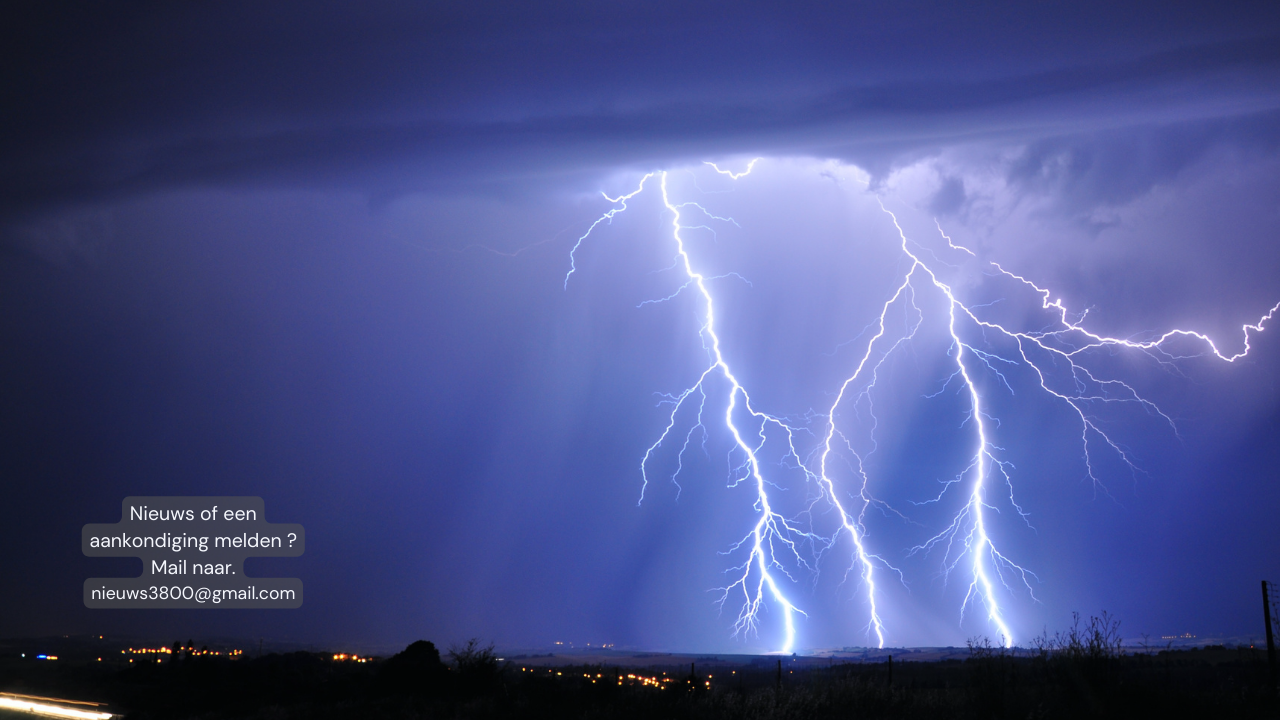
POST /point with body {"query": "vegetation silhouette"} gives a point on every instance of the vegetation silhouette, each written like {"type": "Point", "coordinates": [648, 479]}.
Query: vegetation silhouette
{"type": "Point", "coordinates": [416, 671]}
{"type": "Point", "coordinates": [1082, 672]}
{"type": "Point", "coordinates": [476, 667]}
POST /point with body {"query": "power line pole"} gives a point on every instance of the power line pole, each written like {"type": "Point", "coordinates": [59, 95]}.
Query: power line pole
{"type": "Point", "coordinates": [1271, 643]}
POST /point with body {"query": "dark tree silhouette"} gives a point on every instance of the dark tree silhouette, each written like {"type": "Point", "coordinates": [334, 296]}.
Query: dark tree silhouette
{"type": "Point", "coordinates": [416, 670]}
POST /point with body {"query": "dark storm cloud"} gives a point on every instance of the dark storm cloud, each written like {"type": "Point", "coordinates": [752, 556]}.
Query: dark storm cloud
{"type": "Point", "coordinates": [1114, 166]}
{"type": "Point", "coordinates": [401, 98]}
{"type": "Point", "coordinates": [240, 246]}
{"type": "Point", "coordinates": [949, 197]}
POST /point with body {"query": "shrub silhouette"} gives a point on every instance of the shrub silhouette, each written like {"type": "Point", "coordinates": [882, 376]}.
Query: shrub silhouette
{"type": "Point", "coordinates": [476, 667]}
{"type": "Point", "coordinates": [416, 670]}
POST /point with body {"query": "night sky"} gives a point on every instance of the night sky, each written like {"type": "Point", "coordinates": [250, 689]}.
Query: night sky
{"type": "Point", "coordinates": [317, 253]}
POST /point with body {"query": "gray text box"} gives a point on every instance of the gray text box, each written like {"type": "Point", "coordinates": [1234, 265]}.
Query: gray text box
{"type": "Point", "coordinates": [192, 551]}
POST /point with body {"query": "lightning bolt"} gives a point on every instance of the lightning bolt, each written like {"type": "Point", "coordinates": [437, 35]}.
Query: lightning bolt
{"type": "Point", "coordinates": [771, 528]}
{"type": "Point", "coordinates": [732, 174]}
{"type": "Point", "coordinates": [773, 536]}
{"type": "Point", "coordinates": [970, 521]}
{"type": "Point", "coordinates": [607, 218]}
{"type": "Point", "coordinates": [1056, 357]}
